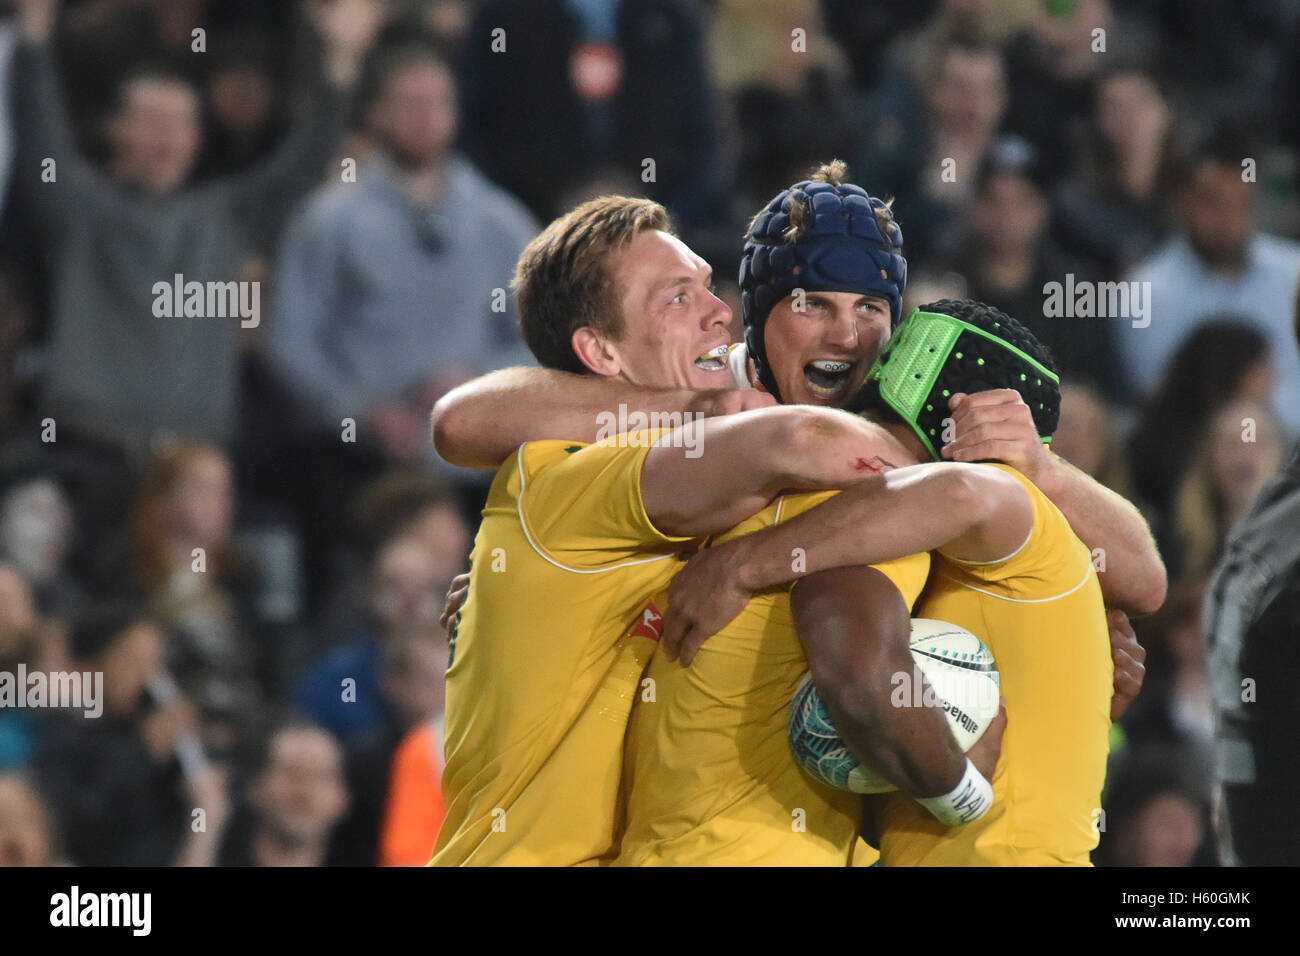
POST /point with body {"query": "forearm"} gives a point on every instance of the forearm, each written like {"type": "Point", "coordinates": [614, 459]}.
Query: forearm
{"type": "Point", "coordinates": [43, 127]}
{"type": "Point", "coordinates": [907, 511]}
{"type": "Point", "coordinates": [1131, 572]}
{"type": "Point", "coordinates": [479, 424]}
{"type": "Point", "coordinates": [855, 630]}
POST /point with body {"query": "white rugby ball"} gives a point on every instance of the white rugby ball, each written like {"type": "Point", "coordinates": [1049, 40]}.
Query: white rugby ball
{"type": "Point", "coordinates": [964, 682]}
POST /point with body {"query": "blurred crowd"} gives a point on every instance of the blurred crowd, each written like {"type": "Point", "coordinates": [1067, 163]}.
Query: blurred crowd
{"type": "Point", "coordinates": [238, 518]}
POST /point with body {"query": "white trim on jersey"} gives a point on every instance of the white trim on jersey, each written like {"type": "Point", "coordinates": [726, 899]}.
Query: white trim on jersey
{"type": "Point", "coordinates": [1003, 597]}
{"type": "Point", "coordinates": [519, 509]}
{"type": "Point", "coordinates": [981, 564]}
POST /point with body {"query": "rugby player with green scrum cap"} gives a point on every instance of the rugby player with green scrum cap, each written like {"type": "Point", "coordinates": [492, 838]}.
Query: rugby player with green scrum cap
{"type": "Point", "coordinates": [1006, 566]}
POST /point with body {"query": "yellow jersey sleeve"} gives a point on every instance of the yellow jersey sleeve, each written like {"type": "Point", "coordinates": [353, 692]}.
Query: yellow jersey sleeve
{"type": "Point", "coordinates": [908, 573]}
{"type": "Point", "coordinates": [1036, 569]}
{"type": "Point", "coordinates": [585, 510]}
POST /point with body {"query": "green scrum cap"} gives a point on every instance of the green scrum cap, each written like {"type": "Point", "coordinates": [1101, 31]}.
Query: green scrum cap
{"type": "Point", "coordinates": [959, 346]}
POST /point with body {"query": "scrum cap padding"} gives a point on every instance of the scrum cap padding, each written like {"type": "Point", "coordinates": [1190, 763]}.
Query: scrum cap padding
{"type": "Point", "coordinates": [840, 249]}
{"type": "Point", "coordinates": [932, 356]}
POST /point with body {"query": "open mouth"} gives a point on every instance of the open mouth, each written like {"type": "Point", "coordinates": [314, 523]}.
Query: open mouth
{"type": "Point", "coordinates": [714, 360]}
{"type": "Point", "coordinates": [828, 378]}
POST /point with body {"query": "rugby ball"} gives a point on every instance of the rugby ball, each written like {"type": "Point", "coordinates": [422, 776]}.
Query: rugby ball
{"type": "Point", "coordinates": [964, 681]}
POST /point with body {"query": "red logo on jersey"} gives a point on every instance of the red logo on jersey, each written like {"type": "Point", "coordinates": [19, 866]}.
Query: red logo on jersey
{"type": "Point", "coordinates": [650, 624]}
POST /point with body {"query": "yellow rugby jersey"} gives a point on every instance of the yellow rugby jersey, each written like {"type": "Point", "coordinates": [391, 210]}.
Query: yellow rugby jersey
{"type": "Point", "coordinates": [711, 776]}
{"type": "Point", "coordinates": [540, 684]}
{"type": "Point", "coordinates": [1040, 611]}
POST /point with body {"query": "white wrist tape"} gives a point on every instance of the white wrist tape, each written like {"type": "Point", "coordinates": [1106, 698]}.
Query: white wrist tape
{"type": "Point", "coordinates": [968, 801]}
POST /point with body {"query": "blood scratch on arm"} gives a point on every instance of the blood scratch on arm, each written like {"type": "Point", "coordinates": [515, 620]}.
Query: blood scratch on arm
{"type": "Point", "coordinates": [875, 465]}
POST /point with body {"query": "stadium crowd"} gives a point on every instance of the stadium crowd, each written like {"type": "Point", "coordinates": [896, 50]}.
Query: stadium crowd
{"type": "Point", "coordinates": [240, 520]}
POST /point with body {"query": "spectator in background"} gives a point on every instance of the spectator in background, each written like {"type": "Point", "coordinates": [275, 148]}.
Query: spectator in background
{"type": "Point", "coordinates": [925, 286]}
{"type": "Point", "coordinates": [1052, 66]}
{"type": "Point", "coordinates": [41, 648]}
{"type": "Point", "coordinates": [862, 28]}
{"type": "Point", "coordinates": [401, 501]}
{"type": "Point", "coordinates": [106, 38]}
{"type": "Point", "coordinates": [390, 810]}
{"type": "Point", "coordinates": [583, 83]}
{"type": "Point", "coordinates": [1009, 259]}
{"type": "Point", "coordinates": [1086, 438]}
{"type": "Point", "coordinates": [17, 609]}
{"type": "Point", "coordinates": [343, 690]}
{"type": "Point", "coordinates": [932, 168]}
{"type": "Point", "coordinates": [906, 60]}
{"type": "Point", "coordinates": [791, 93]}
{"type": "Point", "coordinates": [119, 373]}
{"type": "Point", "coordinates": [1223, 360]}
{"type": "Point", "coordinates": [1239, 451]}
{"type": "Point", "coordinates": [1157, 812]}
{"type": "Point", "coordinates": [114, 780]}
{"type": "Point", "coordinates": [1174, 706]}
{"type": "Point", "coordinates": [27, 831]}
{"type": "Point", "coordinates": [1115, 208]}
{"type": "Point", "coordinates": [1251, 614]}
{"type": "Point", "coordinates": [1219, 263]}
{"type": "Point", "coordinates": [19, 624]}
{"type": "Point", "coordinates": [295, 796]}
{"type": "Point", "coordinates": [391, 290]}
{"type": "Point", "coordinates": [410, 504]}
{"type": "Point", "coordinates": [36, 532]}
{"type": "Point", "coordinates": [185, 565]}
{"type": "Point", "coordinates": [448, 20]}
{"type": "Point", "coordinates": [385, 292]}
{"type": "Point", "coordinates": [413, 806]}
{"type": "Point", "coordinates": [245, 105]}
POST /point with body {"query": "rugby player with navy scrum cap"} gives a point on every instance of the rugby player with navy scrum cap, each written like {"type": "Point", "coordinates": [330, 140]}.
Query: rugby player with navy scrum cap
{"type": "Point", "coordinates": [821, 285]}
{"type": "Point", "coordinates": [812, 344]}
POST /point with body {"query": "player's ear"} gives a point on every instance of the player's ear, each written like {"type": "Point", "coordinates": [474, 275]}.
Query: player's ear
{"type": "Point", "coordinates": [594, 351]}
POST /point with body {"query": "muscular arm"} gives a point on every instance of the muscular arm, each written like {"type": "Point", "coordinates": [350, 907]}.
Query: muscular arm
{"type": "Point", "coordinates": [1134, 580]}
{"type": "Point", "coordinates": [855, 630]}
{"type": "Point", "coordinates": [968, 512]}
{"type": "Point", "coordinates": [997, 424]}
{"type": "Point", "coordinates": [711, 475]}
{"type": "Point", "coordinates": [479, 424]}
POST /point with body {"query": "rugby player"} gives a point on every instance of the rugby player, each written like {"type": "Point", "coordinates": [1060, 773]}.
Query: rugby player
{"type": "Point", "coordinates": [800, 334]}
{"type": "Point", "coordinates": [862, 311]}
{"type": "Point", "coordinates": [576, 538]}
{"type": "Point", "coordinates": [1007, 567]}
